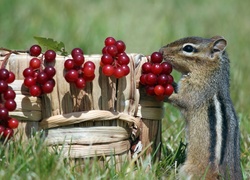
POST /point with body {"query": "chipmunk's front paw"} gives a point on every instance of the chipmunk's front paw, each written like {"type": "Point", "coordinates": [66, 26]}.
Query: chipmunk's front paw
{"type": "Point", "coordinates": [170, 99]}
{"type": "Point", "coordinates": [176, 100]}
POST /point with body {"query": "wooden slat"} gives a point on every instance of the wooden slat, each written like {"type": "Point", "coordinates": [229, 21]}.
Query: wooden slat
{"type": "Point", "coordinates": [26, 129]}
{"type": "Point", "coordinates": [127, 93]}
{"type": "Point", "coordinates": [79, 151]}
{"type": "Point", "coordinates": [86, 135]}
{"type": "Point", "coordinates": [78, 117]}
{"type": "Point", "coordinates": [28, 108]}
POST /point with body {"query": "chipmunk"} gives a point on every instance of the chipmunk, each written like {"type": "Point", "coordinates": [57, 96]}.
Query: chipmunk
{"type": "Point", "coordinates": [203, 97]}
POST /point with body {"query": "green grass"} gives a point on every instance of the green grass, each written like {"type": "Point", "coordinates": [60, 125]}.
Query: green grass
{"type": "Point", "coordinates": [33, 160]}
{"type": "Point", "coordinates": [145, 26]}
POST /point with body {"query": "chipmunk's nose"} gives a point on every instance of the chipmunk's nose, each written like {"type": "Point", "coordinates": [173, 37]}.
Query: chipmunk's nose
{"type": "Point", "coordinates": [162, 50]}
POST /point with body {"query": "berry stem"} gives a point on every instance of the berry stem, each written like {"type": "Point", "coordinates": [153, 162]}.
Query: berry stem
{"type": "Point", "coordinates": [6, 58]}
{"type": "Point", "coordinates": [7, 55]}
{"type": "Point", "coordinates": [13, 51]}
{"type": "Point", "coordinates": [42, 63]}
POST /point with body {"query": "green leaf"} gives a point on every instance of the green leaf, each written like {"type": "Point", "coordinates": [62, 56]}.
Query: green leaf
{"type": "Point", "coordinates": [49, 43]}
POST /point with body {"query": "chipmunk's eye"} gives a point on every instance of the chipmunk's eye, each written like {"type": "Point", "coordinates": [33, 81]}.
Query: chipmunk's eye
{"type": "Point", "coordinates": [188, 48]}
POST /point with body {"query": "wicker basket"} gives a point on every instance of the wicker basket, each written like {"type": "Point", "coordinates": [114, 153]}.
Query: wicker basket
{"type": "Point", "coordinates": [109, 117]}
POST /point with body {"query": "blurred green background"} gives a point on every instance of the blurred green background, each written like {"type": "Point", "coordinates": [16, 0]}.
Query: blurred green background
{"type": "Point", "coordinates": [145, 26]}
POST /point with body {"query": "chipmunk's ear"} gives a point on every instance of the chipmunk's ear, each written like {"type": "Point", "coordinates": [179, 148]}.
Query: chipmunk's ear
{"type": "Point", "coordinates": [219, 44]}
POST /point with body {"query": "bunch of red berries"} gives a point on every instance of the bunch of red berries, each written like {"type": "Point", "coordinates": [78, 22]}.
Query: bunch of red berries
{"type": "Point", "coordinates": [38, 77]}
{"type": "Point", "coordinates": [77, 71]}
{"type": "Point", "coordinates": [7, 103]}
{"type": "Point", "coordinates": [156, 76]}
{"type": "Point", "coordinates": [114, 60]}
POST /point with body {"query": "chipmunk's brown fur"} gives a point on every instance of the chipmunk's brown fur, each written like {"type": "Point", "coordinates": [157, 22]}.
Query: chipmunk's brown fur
{"type": "Point", "coordinates": [203, 97]}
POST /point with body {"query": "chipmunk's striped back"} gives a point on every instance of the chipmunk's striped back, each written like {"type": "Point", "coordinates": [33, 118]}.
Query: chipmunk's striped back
{"type": "Point", "coordinates": [224, 137]}
{"type": "Point", "coordinates": [216, 127]}
{"type": "Point", "coordinates": [204, 99]}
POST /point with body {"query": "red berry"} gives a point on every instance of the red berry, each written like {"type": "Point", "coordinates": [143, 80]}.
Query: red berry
{"type": "Point", "coordinates": [120, 46]}
{"type": "Point", "coordinates": [80, 83]}
{"type": "Point", "coordinates": [156, 68]}
{"type": "Point", "coordinates": [150, 90]}
{"type": "Point", "coordinates": [35, 63]}
{"type": "Point", "coordinates": [169, 90]}
{"type": "Point", "coordinates": [52, 82]}
{"type": "Point", "coordinates": [11, 78]}
{"type": "Point", "coordinates": [4, 113]}
{"type": "Point", "coordinates": [104, 50]}
{"type": "Point", "coordinates": [69, 64]}
{"type": "Point", "coordinates": [88, 71]}
{"type": "Point", "coordinates": [50, 55]}
{"type": "Point", "coordinates": [8, 132]}
{"type": "Point", "coordinates": [108, 70]}
{"type": "Point", "coordinates": [78, 59]}
{"type": "Point", "coordinates": [89, 64]}
{"type": "Point", "coordinates": [3, 86]}
{"type": "Point", "coordinates": [35, 90]}
{"type": "Point", "coordinates": [118, 73]}
{"type": "Point", "coordinates": [29, 81]}
{"type": "Point", "coordinates": [112, 50]}
{"type": "Point", "coordinates": [71, 75]}
{"type": "Point", "coordinates": [125, 69]}
{"type": "Point", "coordinates": [42, 77]}
{"type": "Point", "coordinates": [107, 59]}
{"type": "Point", "coordinates": [13, 123]}
{"type": "Point", "coordinates": [50, 71]}
{"type": "Point", "coordinates": [47, 87]}
{"type": "Point", "coordinates": [146, 67]}
{"type": "Point", "coordinates": [162, 79]}
{"type": "Point", "coordinates": [143, 79]}
{"type": "Point", "coordinates": [166, 68]}
{"type": "Point", "coordinates": [76, 51]}
{"type": "Point", "coordinates": [4, 74]}
{"type": "Point", "coordinates": [35, 50]}
{"type": "Point", "coordinates": [170, 79]}
{"type": "Point", "coordinates": [109, 41]}
{"type": "Point", "coordinates": [123, 59]}
{"type": "Point", "coordinates": [28, 72]}
{"type": "Point", "coordinates": [10, 104]}
{"type": "Point", "coordinates": [156, 57]}
{"type": "Point", "coordinates": [159, 90]}
{"type": "Point", "coordinates": [36, 73]}
{"type": "Point", "coordinates": [151, 79]}
{"type": "Point", "coordinates": [9, 94]}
